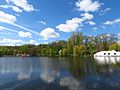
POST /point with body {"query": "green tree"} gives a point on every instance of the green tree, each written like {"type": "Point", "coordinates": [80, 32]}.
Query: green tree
{"type": "Point", "coordinates": [114, 46]}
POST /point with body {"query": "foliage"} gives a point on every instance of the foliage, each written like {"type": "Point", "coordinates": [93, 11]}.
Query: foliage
{"type": "Point", "coordinates": [114, 46]}
{"type": "Point", "coordinates": [77, 45]}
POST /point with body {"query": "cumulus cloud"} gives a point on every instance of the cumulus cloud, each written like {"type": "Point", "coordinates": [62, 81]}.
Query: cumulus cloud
{"type": "Point", "coordinates": [33, 42]}
{"type": "Point", "coordinates": [91, 23]}
{"type": "Point", "coordinates": [87, 5]}
{"type": "Point", "coordinates": [10, 42]}
{"type": "Point", "coordinates": [22, 4]}
{"type": "Point", "coordinates": [14, 8]}
{"type": "Point", "coordinates": [25, 34]}
{"type": "Point", "coordinates": [7, 18]}
{"type": "Point", "coordinates": [71, 25]}
{"type": "Point", "coordinates": [87, 16]}
{"type": "Point", "coordinates": [116, 21]}
{"type": "Point", "coordinates": [49, 33]}
{"type": "Point", "coordinates": [16, 42]}
{"type": "Point", "coordinates": [75, 23]}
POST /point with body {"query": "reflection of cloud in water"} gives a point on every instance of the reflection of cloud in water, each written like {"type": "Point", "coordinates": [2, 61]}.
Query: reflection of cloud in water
{"type": "Point", "coordinates": [48, 71]}
{"type": "Point", "coordinates": [49, 76]}
{"type": "Point", "coordinates": [21, 67]}
{"type": "Point", "coordinates": [71, 83]}
{"type": "Point", "coordinates": [24, 70]}
{"type": "Point", "coordinates": [107, 60]}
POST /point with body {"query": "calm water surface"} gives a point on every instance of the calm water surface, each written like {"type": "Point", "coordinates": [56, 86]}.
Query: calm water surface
{"type": "Point", "coordinates": [66, 73]}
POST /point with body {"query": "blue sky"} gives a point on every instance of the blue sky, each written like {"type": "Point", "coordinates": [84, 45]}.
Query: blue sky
{"type": "Point", "coordinates": [44, 21]}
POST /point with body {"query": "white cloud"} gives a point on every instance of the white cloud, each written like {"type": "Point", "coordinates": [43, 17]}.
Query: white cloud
{"type": "Point", "coordinates": [75, 23]}
{"type": "Point", "coordinates": [8, 29]}
{"type": "Point", "coordinates": [87, 5]}
{"type": "Point", "coordinates": [16, 42]}
{"type": "Point", "coordinates": [25, 34]}
{"type": "Point", "coordinates": [16, 9]}
{"type": "Point", "coordinates": [91, 23]}
{"type": "Point", "coordinates": [95, 28]}
{"type": "Point", "coordinates": [49, 33]}
{"type": "Point", "coordinates": [20, 33]}
{"type": "Point", "coordinates": [22, 4]}
{"type": "Point", "coordinates": [33, 42]}
{"type": "Point", "coordinates": [11, 19]}
{"type": "Point", "coordinates": [42, 22]}
{"type": "Point", "coordinates": [29, 30]}
{"type": "Point", "coordinates": [7, 18]}
{"type": "Point", "coordinates": [105, 11]}
{"type": "Point", "coordinates": [87, 16]}
{"type": "Point", "coordinates": [11, 42]}
{"type": "Point", "coordinates": [103, 27]}
{"type": "Point", "coordinates": [70, 25]}
{"type": "Point", "coordinates": [1, 28]}
{"type": "Point", "coordinates": [112, 22]}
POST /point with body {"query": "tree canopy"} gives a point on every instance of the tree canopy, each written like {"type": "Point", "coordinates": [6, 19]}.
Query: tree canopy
{"type": "Point", "coordinates": [78, 44]}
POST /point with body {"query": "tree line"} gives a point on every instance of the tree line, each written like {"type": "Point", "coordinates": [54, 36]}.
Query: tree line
{"type": "Point", "coordinates": [77, 45]}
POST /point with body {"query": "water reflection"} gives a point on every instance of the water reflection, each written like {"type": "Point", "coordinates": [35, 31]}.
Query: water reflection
{"type": "Point", "coordinates": [107, 60]}
{"type": "Point", "coordinates": [22, 67]}
{"type": "Point", "coordinates": [63, 73]}
{"type": "Point", "coordinates": [94, 75]}
{"type": "Point", "coordinates": [71, 83]}
{"type": "Point", "coordinates": [81, 67]}
{"type": "Point", "coordinates": [49, 70]}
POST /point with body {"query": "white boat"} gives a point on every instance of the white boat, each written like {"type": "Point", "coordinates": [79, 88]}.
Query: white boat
{"type": "Point", "coordinates": [107, 57]}
{"type": "Point", "coordinates": [107, 60]}
{"type": "Point", "coordinates": [107, 54]}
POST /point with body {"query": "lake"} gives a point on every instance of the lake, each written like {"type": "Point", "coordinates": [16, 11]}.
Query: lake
{"type": "Point", "coordinates": [58, 73]}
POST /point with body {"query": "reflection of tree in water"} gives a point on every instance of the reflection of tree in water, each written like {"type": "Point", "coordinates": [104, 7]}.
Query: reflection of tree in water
{"type": "Point", "coordinates": [108, 69]}
{"type": "Point", "coordinates": [94, 75]}
{"type": "Point", "coordinates": [81, 67]}
{"type": "Point", "coordinates": [107, 66]}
